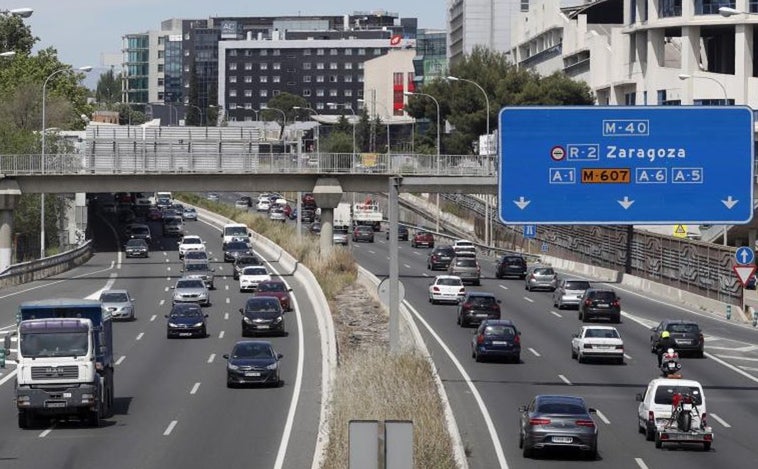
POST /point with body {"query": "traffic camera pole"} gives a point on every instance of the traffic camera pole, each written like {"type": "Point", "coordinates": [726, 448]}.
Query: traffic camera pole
{"type": "Point", "coordinates": [394, 278]}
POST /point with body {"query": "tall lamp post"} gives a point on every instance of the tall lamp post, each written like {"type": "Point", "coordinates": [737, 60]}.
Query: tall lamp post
{"type": "Point", "coordinates": [361, 100]}
{"type": "Point", "coordinates": [487, 222]}
{"type": "Point", "coordinates": [20, 12]}
{"type": "Point", "coordinates": [199, 111]}
{"type": "Point", "coordinates": [284, 117]}
{"type": "Point", "coordinates": [43, 160]}
{"type": "Point", "coordinates": [315, 112]}
{"type": "Point", "coordinates": [685, 76]}
{"type": "Point", "coordinates": [436, 103]}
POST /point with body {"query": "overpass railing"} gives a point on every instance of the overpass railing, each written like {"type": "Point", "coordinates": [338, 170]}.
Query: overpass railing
{"type": "Point", "coordinates": [175, 158]}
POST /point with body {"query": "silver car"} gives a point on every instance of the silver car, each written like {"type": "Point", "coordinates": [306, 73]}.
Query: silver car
{"type": "Point", "coordinates": [277, 214]}
{"type": "Point", "coordinates": [340, 235]}
{"type": "Point", "coordinates": [540, 277]}
{"type": "Point", "coordinates": [561, 422]}
{"type": "Point", "coordinates": [569, 292]}
{"type": "Point", "coordinates": [118, 303]}
{"type": "Point", "coordinates": [191, 290]}
{"type": "Point", "coordinates": [200, 269]}
{"type": "Point", "coordinates": [467, 268]}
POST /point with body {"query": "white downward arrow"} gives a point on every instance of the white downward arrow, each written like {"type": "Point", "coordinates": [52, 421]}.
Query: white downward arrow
{"type": "Point", "coordinates": [729, 202]}
{"type": "Point", "coordinates": [626, 203]}
{"type": "Point", "coordinates": [521, 202]}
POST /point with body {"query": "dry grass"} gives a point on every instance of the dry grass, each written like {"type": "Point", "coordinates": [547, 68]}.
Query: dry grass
{"type": "Point", "coordinates": [370, 383]}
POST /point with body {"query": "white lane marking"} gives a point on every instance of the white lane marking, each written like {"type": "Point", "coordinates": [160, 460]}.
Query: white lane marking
{"type": "Point", "coordinates": [7, 378]}
{"type": "Point", "coordinates": [719, 420]}
{"type": "Point", "coordinates": [640, 463]}
{"type": "Point", "coordinates": [168, 269]}
{"type": "Point", "coordinates": [556, 314]}
{"type": "Point", "coordinates": [748, 368]}
{"type": "Point", "coordinates": [735, 357]}
{"type": "Point", "coordinates": [120, 360]}
{"type": "Point", "coordinates": [371, 252]}
{"type": "Point", "coordinates": [503, 287]}
{"type": "Point", "coordinates": [194, 388]}
{"type": "Point", "coordinates": [46, 432]}
{"type": "Point", "coordinates": [406, 266]}
{"type": "Point", "coordinates": [168, 260]}
{"type": "Point", "coordinates": [627, 357]}
{"type": "Point", "coordinates": [221, 335]}
{"type": "Point", "coordinates": [494, 438]}
{"type": "Point", "coordinates": [731, 367]}
{"type": "Point", "coordinates": [165, 254]}
{"type": "Point", "coordinates": [108, 286]}
{"type": "Point", "coordinates": [226, 287]}
{"type": "Point", "coordinates": [152, 318]}
{"type": "Point", "coordinates": [45, 285]}
{"type": "Point", "coordinates": [416, 253]}
{"type": "Point", "coordinates": [564, 379]}
{"type": "Point", "coordinates": [140, 335]}
{"type": "Point", "coordinates": [536, 353]}
{"type": "Point", "coordinates": [161, 303]}
{"type": "Point", "coordinates": [166, 288]}
{"type": "Point", "coordinates": [529, 299]}
{"type": "Point", "coordinates": [602, 417]}
{"type": "Point", "coordinates": [424, 274]}
{"type": "Point", "coordinates": [170, 428]}
{"type": "Point", "coordinates": [226, 316]}
{"type": "Point", "coordinates": [228, 301]}
{"type": "Point", "coordinates": [211, 358]}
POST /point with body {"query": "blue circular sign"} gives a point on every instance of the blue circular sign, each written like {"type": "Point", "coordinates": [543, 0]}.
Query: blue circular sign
{"type": "Point", "coordinates": [744, 255]}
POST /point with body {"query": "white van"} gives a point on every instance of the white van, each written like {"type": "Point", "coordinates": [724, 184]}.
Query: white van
{"type": "Point", "coordinates": [234, 230]}
{"type": "Point", "coordinates": [654, 409]}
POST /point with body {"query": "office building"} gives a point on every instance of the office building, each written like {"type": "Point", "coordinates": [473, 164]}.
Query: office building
{"type": "Point", "coordinates": [484, 23]}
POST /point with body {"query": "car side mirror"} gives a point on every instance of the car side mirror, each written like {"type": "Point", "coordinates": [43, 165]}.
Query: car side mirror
{"type": "Point", "coordinates": [206, 315]}
{"type": "Point", "coordinates": [522, 408]}
{"type": "Point", "coordinates": [226, 355]}
{"type": "Point", "coordinates": [499, 302]}
{"type": "Point", "coordinates": [279, 356]}
{"type": "Point", "coordinates": [592, 410]}
{"type": "Point", "coordinates": [173, 287]}
{"type": "Point", "coordinates": [576, 336]}
{"type": "Point", "coordinates": [213, 270]}
{"type": "Point", "coordinates": [638, 397]}
{"type": "Point", "coordinates": [241, 311]}
{"type": "Point", "coordinates": [165, 316]}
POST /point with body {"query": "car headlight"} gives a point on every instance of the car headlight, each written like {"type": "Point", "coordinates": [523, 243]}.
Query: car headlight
{"type": "Point", "coordinates": [199, 324]}
{"type": "Point", "coordinates": [278, 320]}
{"type": "Point", "coordinates": [247, 320]}
{"type": "Point", "coordinates": [172, 324]}
{"type": "Point", "coordinates": [273, 366]}
{"type": "Point", "coordinates": [232, 367]}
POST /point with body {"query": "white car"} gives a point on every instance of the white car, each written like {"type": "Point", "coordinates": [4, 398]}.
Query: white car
{"type": "Point", "coordinates": [241, 205]}
{"type": "Point", "coordinates": [603, 342]}
{"type": "Point", "coordinates": [464, 247]}
{"type": "Point", "coordinates": [263, 205]}
{"type": "Point", "coordinates": [190, 243]}
{"type": "Point", "coordinates": [251, 276]}
{"type": "Point", "coordinates": [277, 214]}
{"type": "Point", "coordinates": [448, 288]}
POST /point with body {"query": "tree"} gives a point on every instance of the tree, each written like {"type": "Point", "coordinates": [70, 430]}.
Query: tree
{"type": "Point", "coordinates": [15, 35]}
{"type": "Point", "coordinates": [287, 102]}
{"type": "Point", "coordinates": [337, 142]}
{"type": "Point", "coordinates": [108, 89]}
{"type": "Point", "coordinates": [194, 117]}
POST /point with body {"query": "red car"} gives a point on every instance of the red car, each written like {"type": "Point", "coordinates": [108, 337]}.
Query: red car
{"type": "Point", "coordinates": [155, 214]}
{"type": "Point", "coordinates": [278, 289]}
{"type": "Point", "coordinates": [287, 210]}
{"type": "Point", "coordinates": [422, 238]}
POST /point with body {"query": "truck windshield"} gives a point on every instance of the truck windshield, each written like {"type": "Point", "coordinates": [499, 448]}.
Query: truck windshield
{"type": "Point", "coordinates": [235, 231]}
{"type": "Point", "coordinates": [63, 344]}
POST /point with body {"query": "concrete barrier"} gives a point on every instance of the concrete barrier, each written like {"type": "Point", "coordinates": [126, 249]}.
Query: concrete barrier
{"type": "Point", "coordinates": [38, 269]}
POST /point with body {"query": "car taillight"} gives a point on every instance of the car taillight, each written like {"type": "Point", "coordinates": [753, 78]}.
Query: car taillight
{"type": "Point", "coordinates": [495, 308]}
{"type": "Point", "coordinates": [534, 421]}
{"type": "Point", "coordinates": [478, 269]}
{"type": "Point", "coordinates": [585, 423]}
{"type": "Point", "coordinates": [435, 289]}
{"type": "Point", "coordinates": [587, 302]}
{"type": "Point", "coordinates": [703, 420]}
{"type": "Point", "coordinates": [650, 416]}
{"type": "Point", "coordinates": [517, 340]}
{"type": "Point", "coordinates": [587, 346]}
{"type": "Point", "coordinates": [619, 347]}
{"type": "Point", "coordinates": [466, 305]}
{"type": "Point", "coordinates": [531, 277]}
{"type": "Point", "coordinates": [615, 303]}
{"type": "Point", "coordinates": [461, 291]}
{"type": "Point", "coordinates": [480, 339]}
{"type": "Point", "coordinates": [434, 258]}
{"type": "Point", "coordinates": [687, 399]}
{"type": "Point", "coordinates": [700, 337]}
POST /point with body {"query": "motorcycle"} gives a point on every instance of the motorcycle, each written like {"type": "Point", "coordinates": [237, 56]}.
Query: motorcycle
{"type": "Point", "coordinates": [683, 406]}
{"type": "Point", "coordinates": [670, 365]}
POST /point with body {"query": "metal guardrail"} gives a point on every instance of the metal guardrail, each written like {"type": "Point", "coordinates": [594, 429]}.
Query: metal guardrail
{"type": "Point", "coordinates": [176, 158]}
{"type": "Point", "coordinates": [40, 268]}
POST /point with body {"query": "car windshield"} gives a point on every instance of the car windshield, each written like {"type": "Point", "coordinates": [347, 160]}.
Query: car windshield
{"type": "Point", "coordinates": [190, 283]}
{"type": "Point", "coordinates": [235, 231]}
{"type": "Point", "coordinates": [683, 328]}
{"type": "Point", "coordinates": [248, 261]}
{"type": "Point", "coordinates": [54, 345]}
{"type": "Point", "coordinates": [189, 210]}
{"type": "Point", "coordinates": [665, 394]}
{"type": "Point", "coordinates": [577, 285]}
{"type": "Point", "coordinates": [135, 243]}
{"type": "Point", "coordinates": [191, 241]}
{"type": "Point", "coordinates": [482, 300]}
{"type": "Point", "coordinates": [252, 351]}
{"type": "Point", "coordinates": [272, 287]}
{"type": "Point", "coordinates": [465, 262]}
{"type": "Point", "coordinates": [195, 267]}
{"type": "Point", "coordinates": [173, 221]}
{"type": "Point", "coordinates": [561, 408]}
{"type": "Point", "coordinates": [602, 333]}
{"type": "Point", "coordinates": [196, 255]}
{"type": "Point", "coordinates": [604, 296]}
{"type": "Point", "coordinates": [445, 251]}
{"type": "Point", "coordinates": [449, 281]}
{"type": "Point", "coordinates": [140, 230]}
{"type": "Point", "coordinates": [236, 246]}
{"type": "Point", "coordinates": [254, 271]}
{"type": "Point", "coordinates": [114, 298]}
{"type": "Point", "coordinates": [544, 271]}
{"type": "Point", "coordinates": [513, 261]}
{"type": "Point", "coordinates": [263, 305]}
{"type": "Point", "coordinates": [499, 331]}
{"type": "Point", "coordinates": [187, 313]}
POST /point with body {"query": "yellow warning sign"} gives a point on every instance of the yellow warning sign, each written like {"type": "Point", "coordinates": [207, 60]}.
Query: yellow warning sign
{"type": "Point", "coordinates": [680, 231]}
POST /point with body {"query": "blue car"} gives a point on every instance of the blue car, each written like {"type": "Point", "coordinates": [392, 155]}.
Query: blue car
{"type": "Point", "coordinates": [496, 338]}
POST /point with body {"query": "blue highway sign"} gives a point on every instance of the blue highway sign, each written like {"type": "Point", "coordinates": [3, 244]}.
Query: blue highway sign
{"type": "Point", "coordinates": [626, 165]}
{"type": "Point", "coordinates": [530, 231]}
{"type": "Point", "coordinates": [744, 255]}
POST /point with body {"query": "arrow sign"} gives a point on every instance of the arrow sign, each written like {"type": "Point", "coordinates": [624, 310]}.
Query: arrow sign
{"type": "Point", "coordinates": [729, 202]}
{"type": "Point", "coordinates": [522, 203]}
{"type": "Point", "coordinates": [626, 203]}
{"type": "Point", "coordinates": [744, 273]}
{"type": "Point", "coordinates": [744, 255]}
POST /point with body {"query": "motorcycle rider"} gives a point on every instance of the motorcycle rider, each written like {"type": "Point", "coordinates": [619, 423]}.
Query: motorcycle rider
{"type": "Point", "coordinates": [664, 343]}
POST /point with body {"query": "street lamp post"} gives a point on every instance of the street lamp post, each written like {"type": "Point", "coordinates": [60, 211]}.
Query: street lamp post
{"type": "Point", "coordinates": [685, 76]}
{"type": "Point", "coordinates": [20, 12]}
{"type": "Point", "coordinates": [315, 112]}
{"type": "Point", "coordinates": [361, 100]}
{"type": "Point", "coordinates": [200, 112]}
{"type": "Point", "coordinates": [43, 161]}
{"type": "Point", "coordinates": [437, 104]}
{"type": "Point", "coordinates": [284, 118]}
{"type": "Point", "coordinates": [487, 223]}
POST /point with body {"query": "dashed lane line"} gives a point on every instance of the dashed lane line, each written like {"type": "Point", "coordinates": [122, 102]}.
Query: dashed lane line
{"type": "Point", "coordinates": [627, 357]}
{"type": "Point", "coordinates": [536, 353]}
{"type": "Point", "coordinates": [602, 417]}
{"type": "Point", "coordinates": [140, 335]}
{"type": "Point", "coordinates": [152, 318]}
{"type": "Point", "coordinates": [228, 301]}
{"type": "Point", "coordinates": [211, 358]}
{"type": "Point", "coordinates": [226, 316]}
{"type": "Point", "coordinates": [120, 360]}
{"type": "Point", "coordinates": [529, 299]}
{"type": "Point", "coordinates": [640, 463]}
{"type": "Point", "coordinates": [564, 379]}
{"type": "Point", "coordinates": [221, 335]}
{"type": "Point", "coordinates": [170, 428]}
{"type": "Point", "coordinates": [46, 432]}
{"type": "Point", "coordinates": [195, 388]}
{"type": "Point", "coordinates": [556, 314]}
{"type": "Point", "coordinates": [720, 420]}
{"type": "Point", "coordinates": [161, 303]}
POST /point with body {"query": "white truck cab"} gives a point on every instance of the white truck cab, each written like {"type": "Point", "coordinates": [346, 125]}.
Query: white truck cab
{"type": "Point", "coordinates": [234, 230]}
{"type": "Point", "coordinates": [655, 404]}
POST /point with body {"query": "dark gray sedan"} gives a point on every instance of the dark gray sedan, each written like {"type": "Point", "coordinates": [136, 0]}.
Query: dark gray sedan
{"type": "Point", "coordinates": [253, 362]}
{"type": "Point", "coordinates": [557, 422]}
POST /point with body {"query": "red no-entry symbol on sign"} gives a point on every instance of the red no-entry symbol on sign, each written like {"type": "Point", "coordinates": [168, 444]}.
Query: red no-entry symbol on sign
{"type": "Point", "coordinates": [557, 153]}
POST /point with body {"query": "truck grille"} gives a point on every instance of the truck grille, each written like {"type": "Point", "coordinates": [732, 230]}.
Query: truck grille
{"type": "Point", "coordinates": [55, 372]}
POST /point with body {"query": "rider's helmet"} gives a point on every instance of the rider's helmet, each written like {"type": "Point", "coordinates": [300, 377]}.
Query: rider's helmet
{"type": "Point", "coordinates": [665, 334]}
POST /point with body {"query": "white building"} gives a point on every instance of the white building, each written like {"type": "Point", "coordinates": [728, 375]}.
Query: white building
{"type": "Point", "coordinates": [485, 23]}
{"type": "Point", "coordinates": [644, 52]}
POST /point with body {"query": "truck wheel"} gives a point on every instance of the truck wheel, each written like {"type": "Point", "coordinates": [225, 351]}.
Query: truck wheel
{"type": "Point", "coordinates": [658, 442]}
{"type": "Point", "coordinates": [706, 446]}
{"type": "Point", "coordinates": [25, 419]}
{"type": "Point", "coordinates": [684, 421]}
{"type": "Point", "coordinates": [93, 418]}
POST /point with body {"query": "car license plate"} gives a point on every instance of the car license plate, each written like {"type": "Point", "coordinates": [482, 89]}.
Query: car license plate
{"type": "Point", "coordinates": [55, 404]}
{"type": "Point", "coordinates": [604, 347]}
{"type": "Point", "coordinates": [562, 439]}
{"type": "Point", "coordinates": [682, 341]}
{"type": "Point", "coordinates": [499, 342]}
{"type": "Point", "coordinates": [252, 373]}
{"type": "Point", "coordinates": [602, 305]}
{"type": "Point", "coordinates": [263, 326]}
{"type": "Point", "coordinates": [686, 407]}
{"type": "Point", "coordinates": [185, 334]}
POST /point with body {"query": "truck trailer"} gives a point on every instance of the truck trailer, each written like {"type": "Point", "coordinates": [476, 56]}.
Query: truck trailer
{"type": "Point", "coordinates": [65, 361]}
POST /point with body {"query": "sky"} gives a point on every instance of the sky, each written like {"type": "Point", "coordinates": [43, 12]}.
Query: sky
{"type": "Point", "coordinates": [82, 30]}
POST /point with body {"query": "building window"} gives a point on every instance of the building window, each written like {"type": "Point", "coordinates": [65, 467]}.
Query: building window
{"type": "Point", "coordinates": [276, 92]}
{"type": "Point", "coordinates": [277, 66]}
{"type": "Point", "coordinates": [263, 78]}
{"type": "Point", "coordinates": [377, 52]}
{"type": "Point", "coordinates": [233, 66]}
{"type": "Point", "coordinates": [319, 106]}
{"type": "Point", "coordinates": [333, 78]}
{"type": "Point", "coordinates": [233, 53]}
{"type": "Point", "coordinates": [348, 51]}
{"type": "Point", "coordinates": [232, 106]}
{"type": "Point", "coordinates": [332, 51]}
{"type": "Point", "coordinates": [333, 92]}
{"type": "Point", "coordinates": [306, 92]}
{"type": "Point", "coordinates": [348, 93]}
{"type": "Point", "coordinates": [248, 65]}
{"type": "Point", "coordinates": [306, 65]}
{"type": "Point", "coordinates": [320, 66]}
{"type": "Point", "coordinates": [248, 78]}
{"type": "Point", "coordinates": [630, 99]}
{"type": "Point", "coordinates": [264, 66]}
{"type": "Point", "coordinates": [248, 93]}
{"type": "Point", "coordinates": [160, 81]}
{"type": "Point", "coordinates": [276, 52]}
{"type": "Point", "coordinates": [233, 93]}
{"type": "Point", "coordinates": [319, 51]}
{"type": "Point", "coordinates": [319, 78]}
{"type": "Point", "coordinates": [276, 79]}
{"type": "Point", "coordinates": [361, 51]}
{"type": "Point", "coordinates": [360, 78]}
{"type": "Point", "coordinates": [306, 78]}
{"type": "Point", "coordinates": [669, 8]}
{"type": "Point", "coordinates": [348, 78]}
{"type": "Point", "coordinates": [525, 5]}
{"type": "Point", "coordinates": [320, 92]}
{"type": "Point", "coordinates": [333, 66]}
{"type": "Point", "coordinates": [248, 106]}
{"type": "Point", "coordinates": [161, 54]}
{"type": "Point", "coordinates": [263, 93]}
{"type": "Point", "coordinates": [248, 53]}
{"type": "Point", "coordinates": [160, 68]}
{"type": "Point", "coordinates": [306, 52]}
{"type": "Point", "coordinates": [232, 78]}
{"type": "Point", "coordinates": [264, 52]}
{"type": "Point", "coordinates": [348, 65]}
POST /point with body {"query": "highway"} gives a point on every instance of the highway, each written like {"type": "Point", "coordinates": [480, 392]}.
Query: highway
{"type": "Point", "coordinates": [173, 408]}
{"type": "Point", "coordinates": [729, 373]}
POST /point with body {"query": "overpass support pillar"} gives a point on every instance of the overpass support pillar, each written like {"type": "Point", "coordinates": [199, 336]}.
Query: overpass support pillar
{"type": "Point", "coordinates": [328, 193]}
{"type": "Point", "coordinates": [9, 194]}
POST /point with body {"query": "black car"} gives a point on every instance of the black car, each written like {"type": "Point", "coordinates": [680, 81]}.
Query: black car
{"type": "Point", "coordinates": [136, 248]}
{"type": "Point", "coordinates": [600, 303]}
{"type": "Point", "coordinates": [475, 307]}
{"type": "Point", "coordinates": [496, 338]}
{"type": "Point", "coordinates": [687, 335]}
{"type": "Point", "coordinates": [363, 233]}
{"type": "Point", "coordinates": [308, 215]}
{"type": "Point", "coordinates": [511, 265]}
{"type": "Point", "coordinates": [247, 199]}
{"type": "Point", "coordinates": [440, 257]}
{"type": "Point", "coordinates": [235, 249]}
{"type": "Point", "coordinates": [402, 233]}
{"type": "Point", "coordinates": [186, 320]}
{"type": "Point", "coordinates": [244, 261]}
{"type": "Point", "coordinates": [262, 314]}
{"type": "Point", "coordinates": [253, 362]}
